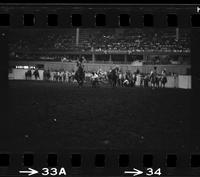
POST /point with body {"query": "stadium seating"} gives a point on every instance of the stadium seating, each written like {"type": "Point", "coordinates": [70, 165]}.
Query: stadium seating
{"type": "Point", "coordinates": [101, 40]}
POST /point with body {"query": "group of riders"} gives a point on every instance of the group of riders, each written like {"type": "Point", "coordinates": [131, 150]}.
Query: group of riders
{"type": "Point", "coordinates": [115, 77]}
{"type": "Point", "coordinates": [29, 74]}
{"type": "Point", "coordinates": [128, 79]}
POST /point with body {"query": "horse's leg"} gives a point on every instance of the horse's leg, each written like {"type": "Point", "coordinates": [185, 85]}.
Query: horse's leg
{"type": "Point", "coordinates": [153, 85]}
{"type": "Point", "coordinates": [110, 82]}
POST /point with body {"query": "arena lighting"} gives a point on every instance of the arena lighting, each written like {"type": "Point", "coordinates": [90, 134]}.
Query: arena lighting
{"type": "Point", "coordinates": [25, 67]}
{"type": "Point", "coordinates": [19, 67]}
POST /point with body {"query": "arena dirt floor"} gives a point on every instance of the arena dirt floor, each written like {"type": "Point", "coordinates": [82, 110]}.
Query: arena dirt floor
{"type": "Point", "coordinates": [47, 115]}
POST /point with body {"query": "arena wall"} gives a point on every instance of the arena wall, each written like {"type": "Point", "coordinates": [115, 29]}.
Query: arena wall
{"type": "Point", "coordinates": [19, 74]}
{"type": "Point", "coordinates": [179, 69]}
{"type": "Point", "coordinates": [184, 82]}
{"type": "Point", "coordinates": [181, 81]}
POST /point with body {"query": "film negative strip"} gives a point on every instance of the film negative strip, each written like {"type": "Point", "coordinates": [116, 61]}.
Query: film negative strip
{"type": "Point", "coordinates": [99, 90]}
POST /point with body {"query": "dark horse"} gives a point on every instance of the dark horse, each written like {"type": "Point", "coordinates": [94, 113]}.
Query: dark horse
{"type": "Point", "coordinates": [113, 77]}
{"type": "Point", "coordinates": [80, 75]}
{"type": "Point", "coordinates": [36, 74]}
{"type": "Point", "coordinates": [155, 80]}
{"type": "Point", "coordinates": [46, 75]}
{"type": "Point", "coordinates": [163, 81]}
{"type": "Point", "coordinates": [28, 74]}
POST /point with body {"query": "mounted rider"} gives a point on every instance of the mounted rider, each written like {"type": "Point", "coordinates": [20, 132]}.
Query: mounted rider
{"type": "Point", "coordinates": [113, 76]}
{"type": "Point", "coordinates": [163, 77]}
{"type": "Point", "coordinates": [36, 74]}
{"type": "Point", "coordinates": [80, 73]}
{"type": "Point", "coordinates": [94, 79]}
{"type": "Point", "coordinates": [153, 72]}
{"type": "Point", "coordinates": [153, 77]}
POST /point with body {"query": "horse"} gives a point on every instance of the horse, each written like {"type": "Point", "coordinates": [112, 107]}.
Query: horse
{"type": "Point", "coordinates": [113, 77]}
{"type": "Point", "coordinates": [95, 80]}
{"type": "Point", "coordinates": [64, 76]}
{"type": "Point", "coordinates": [120, 79]}
{"type": "Point", "coordinates": [146, 80]}
{"type": "Point", "coordinates": [28, 74]}
{"type": "Point", "coordinates": [101, 76]}
{"type": "Point", "coordinates": [126, 83]}
{"type": "Point", "coordinates": [71, 77]}
{"type": "Point", "coordinates": [153, 79]}
{"type": "Point", "coordinates": [59, 76]}
{"type": "Point", "coordinates": [142, 80]}
{"type": "Point", "coordinates": [134, 79]}
{"type": "Point", "coordinates": [46, 75]}
{"type": "Point", "coordinates": [55, 76]}
{"type": "Point", "coordinates": [129, 80]}
{"type": "Point", "coordinates": [80, 76]}
{"type": "Point", "coordinates": [163, 81]}
{"type": "Point", "coordinates": [36, 74]}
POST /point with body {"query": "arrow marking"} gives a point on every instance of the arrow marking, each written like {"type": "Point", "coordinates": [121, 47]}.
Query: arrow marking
{"type": "Point", "coordinates": [135, 172]}
{"type": "Point", "coordinates": [30, 172]}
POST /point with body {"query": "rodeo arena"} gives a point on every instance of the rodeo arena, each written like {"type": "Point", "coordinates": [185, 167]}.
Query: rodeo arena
{"type": "Point", "coordinates": [122, 60]}
{"type": "Point", "coordinates": [91, 88]}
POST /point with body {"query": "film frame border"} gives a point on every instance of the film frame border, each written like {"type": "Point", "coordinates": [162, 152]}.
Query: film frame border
{"type": "Point", "coordinates": [182, 18]}
{"type": "Point", "coordinates": [160, 16]}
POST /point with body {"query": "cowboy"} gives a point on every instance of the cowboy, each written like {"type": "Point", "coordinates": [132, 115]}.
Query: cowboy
{"type": "Point", "coordinates": [163, 77]}
{"type": "Point", "coordinates": [153, 77]}
{"type": "Point", "coordinates": [94, 79]}
{"type": "Point", "coordinates": [126, 82]}
{"type": "Point", "coordinates": [36, 74]}
{"type": "Point", "coordinates": [164, 72]}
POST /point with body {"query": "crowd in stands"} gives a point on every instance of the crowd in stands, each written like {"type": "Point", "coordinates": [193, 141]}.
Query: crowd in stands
{"type": "Point", "coordinates": [131, 40]}
{"type": "Point", "coordinates": [133, 60]}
